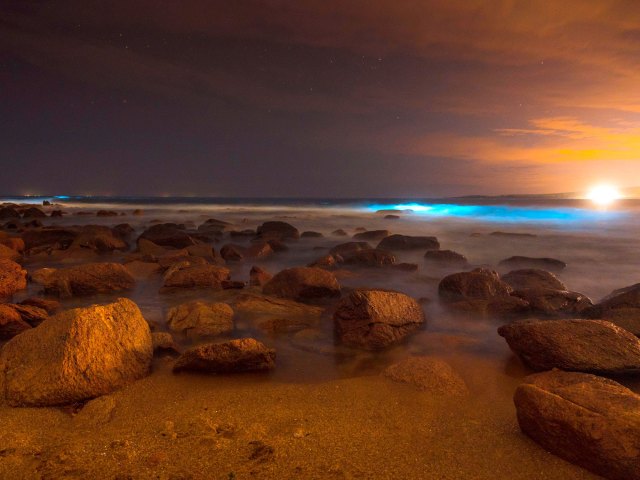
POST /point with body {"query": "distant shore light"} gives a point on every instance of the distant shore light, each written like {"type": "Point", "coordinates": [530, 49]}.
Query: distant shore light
{"type": "Point", "coordinates": [604, 195]}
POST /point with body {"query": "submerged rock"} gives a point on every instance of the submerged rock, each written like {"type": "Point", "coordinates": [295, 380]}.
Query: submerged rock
{"type": "Point", "coordinates": [303, 283]}
{"type": "Point", "coordinates": [427, 374]}
{"type": "Point", "coordinates": [547, 302]}
{"type": "Point", "coordinates": [13, 278]}
{"type": "Point", "coordinates": [168, 235]}
{"type": "Point", "coordinates": [87, 279]}
{"type": "Point", "coordinates": [621, 307]}
{"type": "Point", "coordinates": [163, 343]}
{"type": "Point", "coordinates": [278, 231]}
{"type": "Point", "coordinates": [577, 345]}
{"type": "Point", "coordinates": [9, 253]}
{"type": "Point", "coordinates": [11, 323]}
{"type": "Point", "coordinates": [259, 276]}
{"type": "Point", "coordinates": [199, 319]}
{"type": "Point", "coordinates": [375, 319]}
{"type": "Point", "coordinates": [532, 278]}
{"type": "Point", "coordinates": [587, 420]}
{"type": "Point", "coordinates": [478, 284]}
{"type": "Point", "coordinates": [519, 262]}
{"type": "Point", "coordinates": [77, 355]}
{"type": "Point", "coordinates": [407, 242]}
{"type": "Point", "coordinates": [99, 238]}
{"type": "Point", "coordinates": [235, 356]}
{"type": "Point", "coordinates": [447, 258]}
{"type": "Point", "coordinates": [198, 276]}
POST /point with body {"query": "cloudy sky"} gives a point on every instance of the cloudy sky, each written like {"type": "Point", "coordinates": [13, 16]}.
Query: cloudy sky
{"type": "Point", "coordinates": [318, 98]}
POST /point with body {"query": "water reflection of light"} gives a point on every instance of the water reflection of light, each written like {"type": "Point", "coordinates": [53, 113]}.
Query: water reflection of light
{"type": "Point", "coordinates": [503, 213]}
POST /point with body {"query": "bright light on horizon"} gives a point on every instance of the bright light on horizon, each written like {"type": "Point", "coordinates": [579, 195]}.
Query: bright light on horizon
{"type": "Point", "coordinates": [604, 195]}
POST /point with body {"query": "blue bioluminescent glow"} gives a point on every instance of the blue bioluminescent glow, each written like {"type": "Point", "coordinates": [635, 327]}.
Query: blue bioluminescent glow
{"type": "Point", "coordinates": [504, 213]}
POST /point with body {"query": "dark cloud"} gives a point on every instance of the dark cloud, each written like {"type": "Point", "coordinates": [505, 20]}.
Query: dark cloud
{"type": "Point", "coordinates": [318, 98]}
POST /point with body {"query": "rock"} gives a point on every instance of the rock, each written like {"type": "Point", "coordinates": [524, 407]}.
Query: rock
{"type": "Point", "coordinates": [254, 305]}
{"type": "Point", "coordinates": [33, 315]}
{"type": "Point", "coordinates": [11, 323]}
{"type": "Point", "coordinates": [326, 261]}
{"type": "Point", "coordinates": [427, 374]}
{"type": "Point", "coordinates": [407, 242]}
{"type": "Point", "coordinates": [9, 212]}
{"type": "Point", "coordinates": [277, 230]}
{"type": "Point", "coordinates": [258, 276]}
{"type": "Point", "coordinates": [138, 212]}
{"type": "Point", "coordinates": [513, 235]}
{"type": "Point", "coordinates": [303, 283]}
{"type": "Point", "coordinates": [349, 248]}
{"type": "Point", "coordinates": [147, 247]}
{"type": "Point", "coordinates": [33, 212]}
{"type": "Point", "coordinates": [168, 235]}
{"type": "Point", "coordinates": [518, 262]}
{"type": "Point", "coordinates": [77, 355]}
{"type": "Point", "coordinates": [232, 253]}
{"type": "Point", "coordinates": [49, 306]}
{"type": "Point", "coordinates": [339, 233]}
{"type": "Point", "coordinates": [447, 258]}
{"type": "Point", "coordinates": [163, 343]}
{"type": "Point", "coordinates": [199, 319]}
{"type": "Point", "coordinates": [123, 230]}
{"type": "Point", "coordinates": [235, 356]}
{"type": "Point", "coordinates": [14, 243]}
{"type": "Point", "coordinates": [621, 307]}
{"type": "Point", "coordinates": [372, 235]}
{"type": "Point", "coordinates": [532, 278]}
{"type": "Point", "coordinates": [54, 237]}
{"type": "Point", "coordinates": [199, 276]}
{"type": "Point", "coordinates": [372, 257]}
{"type": "Point", "coordinates": [478, 284]}
{"type": "Point", "coordinates": [106, 213]}
{"type": "Point", "coordinates": [310, 234]}
{"type": "Point", "coordinates": [57, 214]}
{"type": "Point", "coordinates": [13, 278]}
{"type": "Point", "coordinates": [233, 285]}
{"type": "Point", "coordinates": [86, 279]}
{"type": "Point", "coordinates": [547, 302]}
{"type": "Point", "coordinates": [375, 319]}
{"type": "Point", "coordinates": [392, 217]}
{"type": "Point", "coordinates": [143, 270]}
{"type": "Point", "coordinates": [276, 326]}
{"type": "Point", "coordinates": [590, 421]}
{"type": "Point", "coordinates": [99, 238]}
{"type": "Point", "coordinates": [277, 245]}
{"type": "Point", "coordinates": [593, 346]}
{"type": "Point", "coordinates": [96, 412]}
{"type": "Point", "coordinates": [9, 253]}
{"type": "Point", "coordinates": [202, 250]}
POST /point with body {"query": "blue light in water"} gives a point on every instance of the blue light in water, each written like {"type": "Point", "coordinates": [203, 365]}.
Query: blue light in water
{"type": "Point", "coordinates": [504, 213]}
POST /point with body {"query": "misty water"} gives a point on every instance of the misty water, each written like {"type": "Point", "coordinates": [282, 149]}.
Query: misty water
{"type": "Point", "coordinates": [316, 378]}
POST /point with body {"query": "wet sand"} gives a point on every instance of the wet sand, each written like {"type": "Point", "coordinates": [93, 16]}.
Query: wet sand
{"type": "Point", "coordinates": [325, 412]}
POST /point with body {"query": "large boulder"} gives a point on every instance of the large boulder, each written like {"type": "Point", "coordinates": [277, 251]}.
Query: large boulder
{"type": "Point", "coordinates": [532, 278]}
{"type": "Point", "coordinates": [196, 276]}
{"type": "Point", "coordinates": [277, 230]}
{"type": "Point", "coordinates": [621, 307]}
{"type": "Point", "coordinates": [13, 278]}
{"type": "Point", "coordinates": [77, 355]}
{"type": "Point", "coordinates": [235, 356]}
{"type": "Point", "coordinates": [445, 258]}
{"type": "Point", "coordinates": [548, 302]}
{"type": "Point", "coordinates": [87, 279]}
{"type": "Point", "coordinates": [428, 374]}
{"type": "Point", "coordinates": [519, 262]}
{"type": "Point", "coordinates": [478, 284]}
{"type": "Point", "coordinates": [593, 346]}
{"type": "Point", "coordinates": [168, 235]}
{"type": "Point", "coordinates": [406, 242]}
{"type": "Point", "coordinates": [53, 237]}
{"type": "Point", "coordinates": [303, 283]}
{"type": "Point", "coordinates": [99, 238]}
{"type": "Point", "coordinates": [587, 420]}
{"type": "Point", "coordinates": [199, 319]}
{"type": "Point", "coordinates": [375, 319]}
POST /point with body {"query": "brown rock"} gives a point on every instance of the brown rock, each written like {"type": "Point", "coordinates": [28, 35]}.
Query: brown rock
{"type": "Point", "coordinates": [236, 356]}
{"type": "Point", "coordinates": [447, 258]}
{"type": "Point", "coordinates": [587, 420]}
{"type": "Point", "coordinates": [372, 235]}
{"type": "Point", "coordinates": [48, 305]}
{"type": "Point", "coordinates": [621, 307]}
{"type": "Point", "coordinates": [53, 237]}
{"type": "Point", "coordinates": [168, 235]}
{"type": "Point", "coordinates": [546, 302]}
{"type": "Point", "coordinates": [519, 262]}
{"type": "Point", "coordinates": [592, 346]}
{"type": "Point", "coordinates": [199, 276]}
{"type": "Point", "coordinates": [303, 283]}
{"type": "Point", "coordinates": [33, 212]}
{"type": "Point", "coordinates": [199, 319]}
{"type": "Point", "coordinates": [374, 319]}
{"type": "Point", "coordinates": [232, 253]}
{"type": "Point", "coordinates": [9, 253]}
{"type": "Point", "coordinates": [147, 247]}
{"type": "Point", "coordinates": [478, 284]}
{"type": "Point", "coordinates": [373, 257]}
{"type": "Point", "coordinates": [427, 374]}
{"type": "Point", "coordinates": [9, 212]}
{"type": "Point", "coordinates": [143, 270]}
{"type": "Point", "coordinates": [87, 279]}
{"type": "Point", "coordinates": [339, 233]}
{"type": "Point", "coordinates": [14, 243]}
{"type": "Point", "coordinates": [407, 242]}
{"type": "Point", "coordinates": [33, 315]}
{"type": "Point", "coordinates": [258, 276]}
{"type": "Point", "coordinates": [277, 230]}
{"type": "Point", "coordinates": [106, 213]}
{"type": "Point", "coordinates": [310, 234]}
{"type": "Point", "coordinates": [163, 343]}
{"type": "Point", "coordinates": [532, 278]}
{"type": "Point", "coordinates": [99, 238]}
{"type": "Point", "coordinates": [13, 278]}
{"type": "Point", "coordinates": [11, 323]}
{"type": "Point", "coordinates": [77, 355]}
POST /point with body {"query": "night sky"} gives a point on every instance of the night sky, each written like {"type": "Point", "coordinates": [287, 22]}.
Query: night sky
{"type": "Point", "coordinates": [318, 98]}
